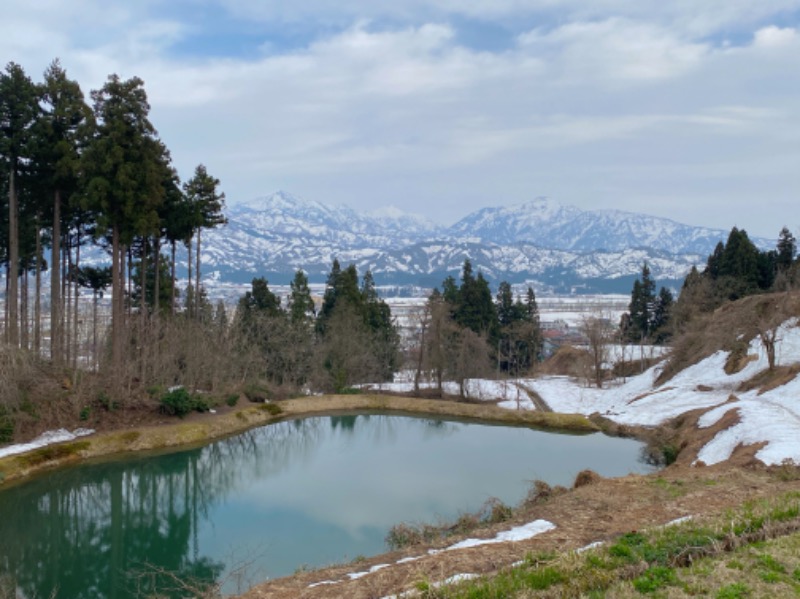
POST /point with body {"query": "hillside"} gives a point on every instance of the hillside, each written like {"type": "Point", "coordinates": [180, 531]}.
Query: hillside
{"type": "Point", "coordinates": [736, 426]}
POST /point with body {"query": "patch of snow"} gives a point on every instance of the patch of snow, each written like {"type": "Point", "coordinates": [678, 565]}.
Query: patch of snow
{"type": "Point", "coordinates": [356, 575]}
{"type": "Point", "coordinates": [677, 521]}
{"type": "Point", "coordinates": [518, 533]}
{"type": "Point", "coordinates": [322, 583]}
{"type": "Point", "coordinates": [455, 578]}
{"type": "Point", "coordinates": [590, 546]}
{"type": "Point", "coordinates": [47, 438]}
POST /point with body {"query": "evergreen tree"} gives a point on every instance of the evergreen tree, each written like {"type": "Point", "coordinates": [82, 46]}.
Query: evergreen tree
{"type": "Point", "coordinates": [19, 107]}
{"type": "Point", "coordinates": [661, 315]}
{"type": "Point", "coordinates": [160, 288]}
{"type": "Point", "coordinates": [206, 204]}
{"type": "Point", "coordinates": [507, 311]}
{"type": "Point", "coordinates": [476, 310]}
{"type": "Point", "coordinates": [738, 266]}
{"type": "Point", "coordinates": [61, 132]}
{"type": "Point", "coordinates": [787, 249]}
{"type": "Point", "coordinates": [123, 180]}
{"type": "Point", "coordinates": [260, 300]}
{"type": "Point", "coordinates": [344, 302]}
{"type": "Point", "coordinates": [641, 306]}
{"type": "Point", "coordinates": [301, 304]}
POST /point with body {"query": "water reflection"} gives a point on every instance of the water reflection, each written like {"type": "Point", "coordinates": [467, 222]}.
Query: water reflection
{"type": "Point", "coordinates": [310, 491]}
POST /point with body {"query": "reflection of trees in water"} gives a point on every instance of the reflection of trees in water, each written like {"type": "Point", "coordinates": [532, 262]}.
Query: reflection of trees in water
{"type": "Point", "coordinates": [83, 530]}
{"type": "Point", "coordinates": [389, 429]}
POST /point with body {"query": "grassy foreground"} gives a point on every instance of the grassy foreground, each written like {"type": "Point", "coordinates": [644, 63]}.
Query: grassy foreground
{"type": "Point", "coordinates": [201, 428]}
{"type": "Point", "coordinates": [753, 551]}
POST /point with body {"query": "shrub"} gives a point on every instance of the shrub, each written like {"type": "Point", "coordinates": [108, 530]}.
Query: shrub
{"type": "Point", "coordinates": [402, 535]}
{"type": "Point", "coordinates": [272, 409]}
{"type": "Point", "coordinates": [232, 399]}
{"type": "Point", "coordinates": [180, 402]}
{"type": "Point", "coordinates": [586, 477]}
{"type": "Point", "coordinates": [106, 402]}
{"type": "Point", "coordinates": [86, 411]}
{"type": "Point", "coordinates": [6, 426]}
{"type": "Point", "coordinates": [257, 392]}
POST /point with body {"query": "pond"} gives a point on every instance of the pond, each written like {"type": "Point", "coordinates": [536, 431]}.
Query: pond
{"type": "Point", "coordinates": [300, 493]}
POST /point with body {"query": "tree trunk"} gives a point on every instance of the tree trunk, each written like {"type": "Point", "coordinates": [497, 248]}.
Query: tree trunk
{"type": "Point", "coordinates": [117, 289]}
{"type": "Point", "coordinates": [129, 254]}
{"type": "Point", "coordinates": [23, 312]}
{"type": "Point", "coordinates": [76, 332]}
{"type": "Point", "coordinates": [172, 296]}
{"type": "Point", "coordinates": [189, 296]}
{"type": "Point", "coordinates": [143, 345]}
{"type": "Point", "coordinates": [197, 277]}
{"type": "Point", "coordinates": [143, 280]}
{"type": "Point", "coordinates": [37, 306]}
{"type": "Point", "coordinates": [157, 279]}
{"type": "Point", "coordinates": [94, 329]}
{"type": "Point", "coordinates": [13, 262]}
{"type": "Point", "coordinates": [56, 330]}
{"type": "Point", "coordinates": [68, 304]}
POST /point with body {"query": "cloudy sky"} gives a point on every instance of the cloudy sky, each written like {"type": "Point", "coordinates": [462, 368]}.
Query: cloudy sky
{"type": "Point", "coordinates": [688, 109]}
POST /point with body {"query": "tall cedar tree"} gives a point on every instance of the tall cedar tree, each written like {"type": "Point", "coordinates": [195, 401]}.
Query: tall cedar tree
{"type": "Point", "coordinates": [61, 133]}
{"type": "Point", "coordinates": [207, 205]}
{"type": "Point", "coordinates": [301, 304]}
{"type": "Point", "coordinates": [121, 162]}
{"type": "Point", "coordinates": [19, 107]}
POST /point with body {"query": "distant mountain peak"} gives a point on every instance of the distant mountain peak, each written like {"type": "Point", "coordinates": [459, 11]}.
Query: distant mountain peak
{"type": "Point", "coordinates": [540, 240]}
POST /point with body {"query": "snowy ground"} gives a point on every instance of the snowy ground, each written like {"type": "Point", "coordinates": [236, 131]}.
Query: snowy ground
{"type": "Point", "coordinates": [772, 417]}
{"type": "Point", "coordinates": [43, 440]}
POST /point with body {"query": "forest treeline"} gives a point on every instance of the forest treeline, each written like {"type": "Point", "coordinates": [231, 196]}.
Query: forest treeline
{"type": "Point", "coordinates": [77, 173]}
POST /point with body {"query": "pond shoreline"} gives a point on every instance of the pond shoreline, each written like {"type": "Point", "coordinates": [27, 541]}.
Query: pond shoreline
{"type": "Point", "coordinates": [200, 429]}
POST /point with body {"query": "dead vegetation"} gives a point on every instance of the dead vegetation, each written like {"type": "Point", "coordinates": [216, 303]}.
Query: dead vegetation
{"type": "Point", "coordinates": [605, 510]}
{"type": "Point", "coordinates": [731, 328]}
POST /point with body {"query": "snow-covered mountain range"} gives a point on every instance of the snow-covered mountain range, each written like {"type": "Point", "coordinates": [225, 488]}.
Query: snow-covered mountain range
{"type": "Point", "coordinates": [556, 247]}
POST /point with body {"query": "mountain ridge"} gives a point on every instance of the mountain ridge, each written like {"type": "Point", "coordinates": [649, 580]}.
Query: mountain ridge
{"type": "Point", "coordinates": [555, 247]}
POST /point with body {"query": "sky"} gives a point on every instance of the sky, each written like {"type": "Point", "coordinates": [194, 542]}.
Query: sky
{"type": "Point", "coordinates": [687, 109]}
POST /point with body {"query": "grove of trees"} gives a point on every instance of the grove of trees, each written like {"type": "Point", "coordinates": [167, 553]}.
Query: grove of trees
{"type": "Point", "coordinates": [465, 333]}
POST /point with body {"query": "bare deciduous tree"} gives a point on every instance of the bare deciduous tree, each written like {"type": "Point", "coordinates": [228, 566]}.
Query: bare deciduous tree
{"type": "Point", "coordinates": [598, 332]}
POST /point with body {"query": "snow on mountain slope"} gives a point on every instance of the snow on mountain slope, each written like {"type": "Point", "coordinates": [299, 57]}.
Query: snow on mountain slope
{"type": "Point", "coordinates": [559, 247]}
{"type": "Point", "coordinates": [547, 223]}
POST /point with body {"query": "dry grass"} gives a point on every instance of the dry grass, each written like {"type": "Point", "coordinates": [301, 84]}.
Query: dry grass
{"type": "Point", "coordinates": [597, 512]}
{"type": "Point", "coordinates": [201, 428]}
{"type": "Point", "coordinates": [729, 328]}
{"type": "Point", "coordinates": [767, 380]}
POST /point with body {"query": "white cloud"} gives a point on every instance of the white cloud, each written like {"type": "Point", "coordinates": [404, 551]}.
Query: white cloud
{"type": "Point", "coordinates": [773, 36]}
{"type": "Point", "coordinates": [602, 103]}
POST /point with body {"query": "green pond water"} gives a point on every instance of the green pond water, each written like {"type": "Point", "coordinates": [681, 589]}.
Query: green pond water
{"type": "Point", "coordinates": [302, 493]}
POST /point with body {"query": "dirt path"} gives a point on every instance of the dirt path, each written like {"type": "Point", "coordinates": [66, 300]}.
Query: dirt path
{"type": "Point", "coordinates": [541, 405]}
{"type": "Point", "coordinates": [591, 513]}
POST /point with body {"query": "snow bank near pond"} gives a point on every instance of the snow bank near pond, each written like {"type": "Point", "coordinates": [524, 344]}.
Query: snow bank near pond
{"type": "Point", "coordinates": [45, 439]}
{"type": "Point", "coordinates": [772, 417]}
